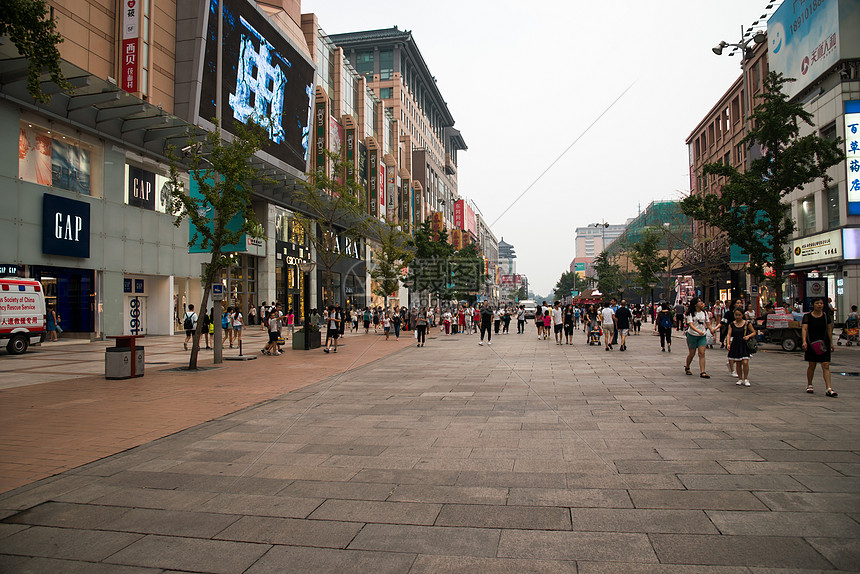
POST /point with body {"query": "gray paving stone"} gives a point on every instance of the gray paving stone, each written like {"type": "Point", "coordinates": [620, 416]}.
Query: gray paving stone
{"type": "Point", "coordinates": [577, 546]}
{"type": "Point", "coordinates": [804, 524]}
{"type": "Point", "coordinates": [377, 512]}
{"type": "Point", "coordinates": [23, 565]}
{"type": "Point", "coordinates": [257, 505]}
{"type": "Point", "coordinates": [669, 467]}
{"type": "Point", "coordinates": [10, 529]}
{"type": "Point", "coordinates": [388, 476]}
{"type": "Point", "coordinates": [751, 482]}
{"type": "Point", "coordinates": [811, 501]}
{"type": "Point", "coordinates": [64, 515]}
{"type": "Point", "coordinates": [792, 468]}
{"type": "Point", "coordinates": [426, 564]}
{"type": "Point", "coordinates": [808, 455]}
{"type": "Point", "coordinates": [843, 553]}
{"type": "Point", "coordinates": [696, 499]}
{"type": "Point", "coordinates": [171, 523]}
{"type": "Point", "coordinates": [37, 493]}
{"type": "Point", "coordinates": [641, 520]}
{"type": "Point", "coordinates": [428, 540]}
{"type": "Point", "coordinates": [829, 483]}
{"type": "Point", "coordinates": [324, 560]}
{"type": "Point", "coordinates": [154, 498]}
{"type": "Point", "coordinates": [291, 531]}
{"type": "Point", "coordinates": [495, 516]}
{"type": "Point", "coordinates": [75, 544]}
{"type": "Point", "coordinates": [766, 551]}
{"type": "Point", "coordinates": [191, 554]}
{"type": "Point", "coordinates": [449, 494]}
{"type": "Point", "coordinates": [580, 497]}
{"type": "Point", "coordinates": [586, 567]}
{"type": "Point", "coordinates": [628, 481]}
{"type": "Point", "coordinates": [340, 490]}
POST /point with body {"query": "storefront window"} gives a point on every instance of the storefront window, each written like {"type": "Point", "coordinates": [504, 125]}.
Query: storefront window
{"type": "Point", "coordinates": [832, 207]}
{"type": "Point", "coordinates": [807, 215]}
{"type": "Point", "coordinates": [51, 157]}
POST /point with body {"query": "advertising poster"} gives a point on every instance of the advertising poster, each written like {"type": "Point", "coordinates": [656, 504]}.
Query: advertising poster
{"type": "Point", "coordinates": [803, 41]}
{"type": "Point", "coordinates": [265, 79]}
{"type": "Point", "coordinates": [34, 156]}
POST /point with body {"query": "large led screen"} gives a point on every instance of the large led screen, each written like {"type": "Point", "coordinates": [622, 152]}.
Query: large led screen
{"type": "Point", "coordinates": [264, 79]}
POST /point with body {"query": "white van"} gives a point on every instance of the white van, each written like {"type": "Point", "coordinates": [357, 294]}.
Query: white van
{"type": "Point", "coordinates": [530, 307]}
{"type": "Point", "coordinates": [22, 313]}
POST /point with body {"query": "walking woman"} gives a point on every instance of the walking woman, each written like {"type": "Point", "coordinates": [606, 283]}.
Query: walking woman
{"type": "Point", "coordinates": [817, 329]}
{"type": "Point", "coordinates": [237, 324]}
{"type": "Point", "coordinates": [663, 325]}
{"type": "Point", "coordinates": [568, 325]}
{"type": "Point", "coordinates": [697, 327]}
{"type": "Point", "coordinates": [740, 331]}
{"type": "Point", "coordinates": [421, 326]}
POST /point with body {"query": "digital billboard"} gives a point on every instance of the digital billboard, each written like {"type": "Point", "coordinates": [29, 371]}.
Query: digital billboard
{"type": "Point", "coordinates": [265, 79]}
{"type": "Point", "coordinates": [806, 37]}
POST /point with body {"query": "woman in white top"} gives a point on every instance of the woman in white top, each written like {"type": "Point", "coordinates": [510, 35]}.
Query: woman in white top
{"type": "Point", "coordinates": [238, 323]}
{"type": "Point", "coordinates": [698, 325]}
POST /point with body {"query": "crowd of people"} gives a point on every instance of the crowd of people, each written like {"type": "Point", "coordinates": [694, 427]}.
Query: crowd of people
{"type": "Point", "coordinates": [732, 324]}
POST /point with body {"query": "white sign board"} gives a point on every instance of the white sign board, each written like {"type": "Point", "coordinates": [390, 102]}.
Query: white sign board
{"type": "Point", "coordinates": [821, 247]}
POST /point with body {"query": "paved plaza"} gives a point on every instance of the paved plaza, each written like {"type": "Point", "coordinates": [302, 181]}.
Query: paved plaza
{"type": "Point", "coordinates": [523, 456]}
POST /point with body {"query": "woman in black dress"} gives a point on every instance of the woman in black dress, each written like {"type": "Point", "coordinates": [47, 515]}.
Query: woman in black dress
{"type": "Point", "coordinates": [818, 344]}
{"type": "Point", "coordinates": [740, 331]}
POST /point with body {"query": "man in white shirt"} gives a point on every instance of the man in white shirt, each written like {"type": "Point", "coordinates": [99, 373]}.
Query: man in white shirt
{"type": "Point", "coordinates": [189, 320]}
{"type": "Point", "coordinates": [332, 322]}
{"type": "Point", "coordinates": [608, 319]}
{"type": "Point", "coordinates": [558, 322]}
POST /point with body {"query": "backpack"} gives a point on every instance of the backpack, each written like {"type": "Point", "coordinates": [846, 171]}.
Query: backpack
{"type": "Point", "coordinates": [666, 321]}
{"type": "Point", "coordinates": [225, 321]}
{"type": "Point", "coordinates": [188, 324]}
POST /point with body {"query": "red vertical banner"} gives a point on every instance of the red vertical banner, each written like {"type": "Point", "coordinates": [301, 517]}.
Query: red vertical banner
{"type": "Point", "coordinates": [130, 58]}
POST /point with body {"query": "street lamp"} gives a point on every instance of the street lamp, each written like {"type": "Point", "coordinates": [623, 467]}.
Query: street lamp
{"type": "Point", "coordinates": [307, 267]}
{"type": "Point", "coordinates": [758, 38]}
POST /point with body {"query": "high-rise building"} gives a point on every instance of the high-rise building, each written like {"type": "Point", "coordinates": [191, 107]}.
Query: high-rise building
{"type": "Point", "coordinates": [591, 240]}
{"type": "Point", "coordinates": [395, 69]}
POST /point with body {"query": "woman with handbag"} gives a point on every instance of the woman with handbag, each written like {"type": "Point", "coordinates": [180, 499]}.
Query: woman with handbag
{"type": "Point", "coordinates": [741, 343]}
{"type": "Point", "coordinates": [817, 328]}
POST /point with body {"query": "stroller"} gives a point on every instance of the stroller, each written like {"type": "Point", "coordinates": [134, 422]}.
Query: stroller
{"type": "Point", "coordinates": [850, 332]}
{"type": "Point", "coordinates": [594, 333]}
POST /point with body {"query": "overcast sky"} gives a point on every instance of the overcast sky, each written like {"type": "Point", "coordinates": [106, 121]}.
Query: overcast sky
{"type": "Point", "coordinates": [523, 80]}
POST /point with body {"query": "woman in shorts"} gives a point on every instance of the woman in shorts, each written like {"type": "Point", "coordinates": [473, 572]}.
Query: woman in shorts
{"type": "Point", "coordinates": [238, 323]}
{"type": "Point", "coordinates": [698, 325]}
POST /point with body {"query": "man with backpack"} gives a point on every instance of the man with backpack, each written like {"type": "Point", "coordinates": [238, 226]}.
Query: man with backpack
{"type": "Point", "coordinates": [189, 323]}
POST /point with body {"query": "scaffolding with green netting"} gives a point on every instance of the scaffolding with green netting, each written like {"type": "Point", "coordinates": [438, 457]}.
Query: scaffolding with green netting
{"type": "Point", "coordinates": [664, 216]}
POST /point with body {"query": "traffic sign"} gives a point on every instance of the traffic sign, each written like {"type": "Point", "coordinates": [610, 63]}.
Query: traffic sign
{"type": "Point", "coordinates": [217, 292]}
{"type": "Point", "coordinates": [753, 288]}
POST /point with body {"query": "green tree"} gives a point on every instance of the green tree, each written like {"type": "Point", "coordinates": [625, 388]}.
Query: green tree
{"type": "Point", "coordinates": [429, 267]}
{"type": "Point", "coordinates": [392, 251]}
{"type": "Point", "coordinates": [332, 211]}
{"type": "Point", "coordinates": [608, 275]}
{"type": "Point", "coordinates": [520, 294]}
{"type": "Point", "coordinates": [221, 212]}
{"type": "Point", "coordinates": [749, 207]}
{"type": "Point", "coordinates": [569, 281]}
{"type": "Point", "coordinates": [35, 36]}
{"type": "Point", "coordinates": [466, 269]}
{"type": "Point", "coordinates": [650, 263]}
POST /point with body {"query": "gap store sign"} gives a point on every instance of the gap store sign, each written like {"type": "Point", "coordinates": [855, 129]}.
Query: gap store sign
{"type": "Point", "coordinates": [65, 226]}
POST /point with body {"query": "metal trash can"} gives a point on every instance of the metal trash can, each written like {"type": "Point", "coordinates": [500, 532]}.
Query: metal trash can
{"type": "Point", "coordinates": [118, 362]}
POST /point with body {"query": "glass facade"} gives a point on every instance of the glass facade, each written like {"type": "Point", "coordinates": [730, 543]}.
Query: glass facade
{"type": "Point", "coordinates": [364, 64]}
{"type": "Point", "coordinates": [832, 207]}
{"type": "Point", "coordinates": [807, 215]}
{"type": "Point", "coordinates": [386, 64]}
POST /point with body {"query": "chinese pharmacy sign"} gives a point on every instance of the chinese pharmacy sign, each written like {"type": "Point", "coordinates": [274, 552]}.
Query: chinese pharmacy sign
{"type": "Point", "coordinates": [130, 45]}
{"type": "Point", "coordinates": [852, 155]}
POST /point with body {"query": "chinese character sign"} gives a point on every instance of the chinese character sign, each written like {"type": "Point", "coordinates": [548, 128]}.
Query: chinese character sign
{"type": "Point", "coordinates": [130, 46]}
{"type": "Point", "coordinates": [852, 155]}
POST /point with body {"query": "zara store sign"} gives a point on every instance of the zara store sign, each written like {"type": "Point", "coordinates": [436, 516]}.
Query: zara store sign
{"type": "Point", "coordinates": [65, 226]}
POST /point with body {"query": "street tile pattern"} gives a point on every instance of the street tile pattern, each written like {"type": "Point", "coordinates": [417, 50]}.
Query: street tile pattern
{"type": "Point", "coordinates": [524, 456]}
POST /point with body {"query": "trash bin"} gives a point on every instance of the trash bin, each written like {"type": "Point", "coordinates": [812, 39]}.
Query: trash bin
{"type": "Point", "coordinates": [118, 362]}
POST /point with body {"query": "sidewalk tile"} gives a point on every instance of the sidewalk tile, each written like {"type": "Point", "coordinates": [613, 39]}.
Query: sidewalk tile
{"type": "Point", "coordinates": [303, 559]}
{"type": "Point", "coordinates": [602, 546]}
{"type": "Point", "coordinates": [192, 554]}
{"type": "Point", "coordinates": [292, 531]}
{"type": "Point", "coordinates": [428, 540]}
{"type": "Point", "coordinates": [764, 551]}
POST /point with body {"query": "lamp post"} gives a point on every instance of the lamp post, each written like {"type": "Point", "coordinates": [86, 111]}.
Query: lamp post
{"type": "Point", "coordinates": [746, 52]}
{"type": "Point", "coordinates": [307, 267]}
